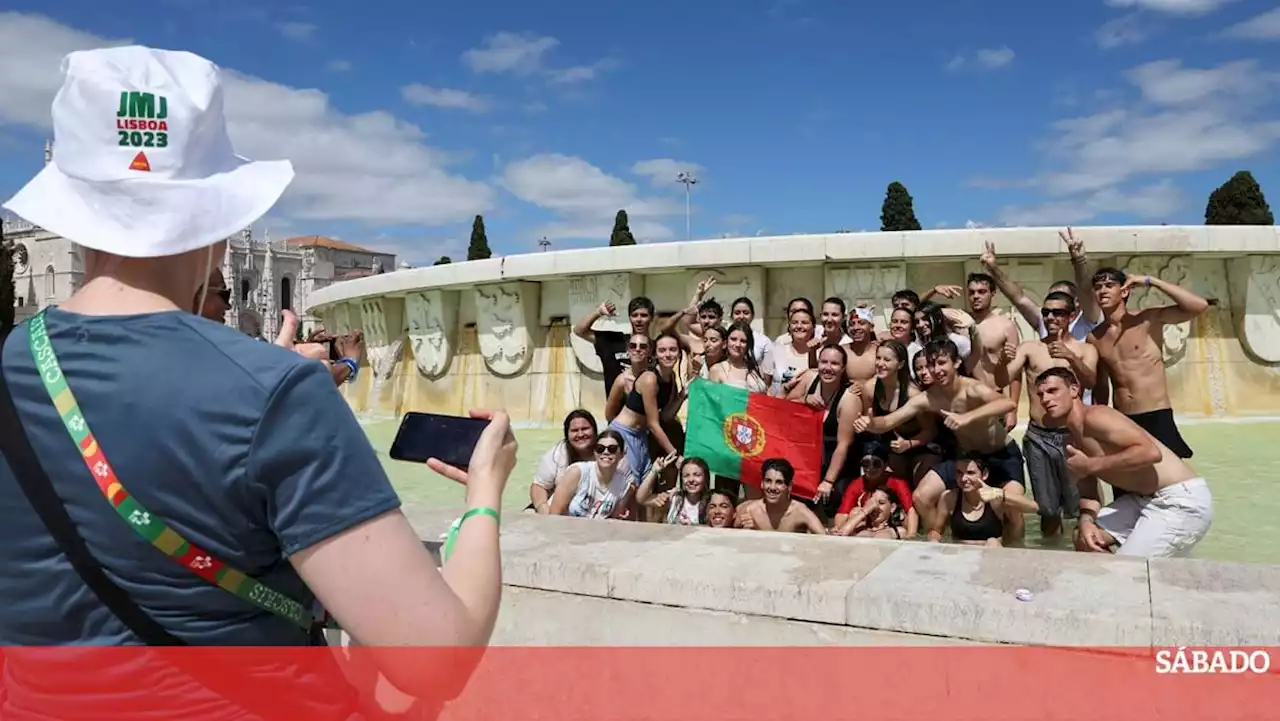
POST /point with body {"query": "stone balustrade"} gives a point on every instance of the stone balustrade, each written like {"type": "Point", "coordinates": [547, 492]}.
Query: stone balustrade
{"type": "Point", "coordinates": [949, 592]}
{"type": "Point", "coordinates": [496, 332]}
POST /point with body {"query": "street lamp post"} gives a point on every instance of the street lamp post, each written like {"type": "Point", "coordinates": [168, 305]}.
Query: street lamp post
{"type": "Point", "coordinates": [689, 181]}
{"type": "Point", "coordinates": [544, 243]}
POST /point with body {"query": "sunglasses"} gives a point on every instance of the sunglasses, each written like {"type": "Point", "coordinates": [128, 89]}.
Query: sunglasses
{"type": "Point", "coordinates": [609, 448]}
{"type": "Point", "coordinates": [638, 346]}
{"type": "Point", "coordinates": [1054, 312]}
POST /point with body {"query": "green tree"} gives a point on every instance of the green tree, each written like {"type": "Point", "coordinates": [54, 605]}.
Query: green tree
{"type": "Point", "coordinates": [898, 211]}
{"type": "Point", "coordinates": [621, 234]}
{"type": "Point", "coordinates": [1239, 201]}
{"type": "Point", "coordinates": [479, 248]}
{"type": "Point", "coordinates": [443, 260]}
{"type": "Point", "coordinates": [11, 254]}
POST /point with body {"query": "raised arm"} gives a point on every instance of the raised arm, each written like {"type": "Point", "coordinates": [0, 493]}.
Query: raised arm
{"type": "Point", "coordinates": [1089, 309]}
{"type": "Point", "coordinates": [1026, 307]}
{"type": "Point", "coordinates": [994, 405]}
{"type": "Point", "coordinates": [583, 328]}
{"type": "Point", "coordinates": [1187, 305]}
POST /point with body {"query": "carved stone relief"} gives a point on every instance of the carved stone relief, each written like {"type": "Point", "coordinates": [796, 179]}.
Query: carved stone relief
{"type": "Point", "coordinates": [433, 321]}
{"type": "Point", "coordinates": [1174, 269]}
{"type": "Point", "coordinates": [506, 316]}
{"type": "Point", "coordinates": [382, 321]}
{"type": "Point", "coordinates": [339, 318]}
{"type": "Point", "coordinates": [871, 284]}
{"type": "Point", "coordinates": [1262, 307]}
{"type": "Point", "coordinates": [586, 293]}
{"type": "Point", "coordinates": [731, 284]}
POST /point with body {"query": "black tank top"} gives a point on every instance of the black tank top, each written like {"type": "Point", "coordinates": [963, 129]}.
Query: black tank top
{"type": "Point", "coordinates": [880, 408]}
{"type": "Point", "coordinates": [831, 436]}
{"type": "Point", "coordinates": [635, 401]}
{"type": "Point", "coordinates": [987, 526]}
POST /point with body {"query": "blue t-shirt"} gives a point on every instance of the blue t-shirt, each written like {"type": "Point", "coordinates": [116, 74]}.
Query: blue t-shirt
{"type": "Point", "coordinates": [244, 448]}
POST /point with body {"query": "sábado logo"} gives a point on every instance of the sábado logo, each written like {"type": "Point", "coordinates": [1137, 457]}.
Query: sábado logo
{"type": "Point", "coordinates": [1202, 660]}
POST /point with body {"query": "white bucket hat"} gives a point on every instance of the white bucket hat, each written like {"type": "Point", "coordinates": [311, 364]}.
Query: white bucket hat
{"type": "Point", "coordinates": [142, 165]}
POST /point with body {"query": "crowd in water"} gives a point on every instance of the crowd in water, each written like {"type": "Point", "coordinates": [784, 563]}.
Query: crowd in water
{"type": "Point", "coordinates": [916, 416]}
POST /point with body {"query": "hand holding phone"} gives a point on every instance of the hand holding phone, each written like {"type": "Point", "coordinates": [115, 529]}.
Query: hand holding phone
{"type": "Point", "coordinates": [478, 451]}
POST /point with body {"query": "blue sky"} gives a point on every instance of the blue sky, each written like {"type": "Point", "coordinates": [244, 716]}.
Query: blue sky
{"type": "Point", "coordinates": [405, 119]}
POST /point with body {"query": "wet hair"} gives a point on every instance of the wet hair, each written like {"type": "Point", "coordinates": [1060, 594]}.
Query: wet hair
{"type": "Point", "coordinates": [574, 415]}
{"type": "Point", "coordinates": [942, 347]}
{"type": "Point", "coordinates": [1068, 286]}
{"type": "Point", "coordinates": [919, 356]}
{"type": "Point", "coordinates": [983, 467]}
{"type": "Point", "coordinates": [875, 449]}
{"type": "Point", "coordinates": [807, 304]}
{"type": "Point", "coordinates": [1064, 298]}
{"type": "Point", "coordinates": [837, 301]}
{"type": "Point", "coordinates": [744, 300]}
{"type": "Point", "coordinates": [639, 302]}
{"type": "Point", "coordinates": [711, 494]}
{"type": "Point", "coordinates": [908, 295]}
{"type": "Point", "coordinates": [782, 466]}
{"type": "Point", "coordinates": [713, 305]}
{"type": "Point", "coordinates": [1064, 373]}
{"type": "Point", "coordinates": [982, 278]}
{"type": "Point", "coordinates": [749, 357]}
{"type": "Point", "coordinates": [1102, 275]}
{"type": "Point", "coordinates": [937, 322]}
{"type": "Point", "coordinates": [724, 334]}
{"type": "Point", "coordinates": [899, 352]}
{"type": "Point", "coordinates": [610, 433]}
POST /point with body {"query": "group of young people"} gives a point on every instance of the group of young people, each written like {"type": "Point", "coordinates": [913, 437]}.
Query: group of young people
{"type": "Point", "coordinates": [917, 416]}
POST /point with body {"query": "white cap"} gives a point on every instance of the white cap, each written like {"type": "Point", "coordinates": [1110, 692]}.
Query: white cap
{"type": "Point", "coordinates": [142, 164]}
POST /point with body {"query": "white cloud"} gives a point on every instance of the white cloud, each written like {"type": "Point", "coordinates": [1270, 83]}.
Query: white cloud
{"type": "Point", "coordinates": [586, 198]}
{"type": "Point", "coordinates": [1124, 30]}
{"type": "Point", "coordinates": [1152, 203]}
{"type": "Point", "coordinates": [1172, 7]}
{"type": "Point", "coordinates": [370, 167]}
{"type": "Point", "coordinates": [525, 55]}
{"type": "Point", "coordinates": [985, 58]}
{"type": "Point", "coordinates": [296, 30]}
{"type": "Point", "coordinates": [662, 172]}
{"type": "Point", "coordinates": [338, 66]}
{"type": "Point", "coordinates": [419, 94]}
{"type": "Point", "coordinates": [1185, 120]}
{"type": "Point", "coordinates": [1259, 27]}
{"type": "Point", "coordinates": [993, 58]}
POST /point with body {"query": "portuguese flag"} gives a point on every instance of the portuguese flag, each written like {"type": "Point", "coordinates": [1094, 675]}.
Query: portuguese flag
{"type": "Point", "coordinates": [736, 431]}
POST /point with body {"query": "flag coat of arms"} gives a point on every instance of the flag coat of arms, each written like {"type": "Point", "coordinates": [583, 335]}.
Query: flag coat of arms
{"type": "Point", "coordinates": [736, 431]}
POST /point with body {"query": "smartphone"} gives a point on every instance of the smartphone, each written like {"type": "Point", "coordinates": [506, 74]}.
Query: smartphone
{"type": "Point", "coordinates": [451, 439]}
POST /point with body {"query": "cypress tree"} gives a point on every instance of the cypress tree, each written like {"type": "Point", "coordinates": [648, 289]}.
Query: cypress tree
{"type": "Point", "coordinates": [621, 234]}
{"type": "Point", "coordinates": [898, 211]}
{"type": "Point", "coordinates": [479, 248]}
{"type": "Point", "coordinates": [1239, 201]}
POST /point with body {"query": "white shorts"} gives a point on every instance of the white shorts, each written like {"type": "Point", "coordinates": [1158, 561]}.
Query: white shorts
{"type": "Point", "coordinates": [1170, 523]}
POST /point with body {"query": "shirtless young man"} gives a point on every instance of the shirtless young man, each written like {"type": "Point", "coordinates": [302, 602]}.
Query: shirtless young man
{"type": "Point", "coordinates": [611, 346]}
{"type": "Point", "coordinates": [862, 346]}
{"type": "Point", "coordinates": [1168, 508]}
{"type": "Point", "coordinates": [993, 333]}
{"type": "Point", "coordinates": [1130, 347]}
{"type": "Point", "coordinates": [974, 412]}
{"type": "Point", "coordinates": [1044, 447]}
{"type": "Point", "coordinates": [777, 510]}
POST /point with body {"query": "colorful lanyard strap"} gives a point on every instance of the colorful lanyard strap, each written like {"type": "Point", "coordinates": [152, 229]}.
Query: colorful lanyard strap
{"type": "Point", "coordinates": [197, 560]}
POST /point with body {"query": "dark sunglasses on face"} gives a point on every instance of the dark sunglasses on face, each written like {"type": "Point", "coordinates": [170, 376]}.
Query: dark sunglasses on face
{"type": "Point", "coordinates": [609, 448]}
{"type": "Point", "coordinates": [1054, 312]}
{"type": "Point", "coordinates": [638, 346]}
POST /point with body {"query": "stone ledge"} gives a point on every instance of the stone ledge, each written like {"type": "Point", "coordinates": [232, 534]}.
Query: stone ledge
{"type": "Point", "coordinates": [940, 590]}
{"type": "Point", "coordinates": [939, 245]}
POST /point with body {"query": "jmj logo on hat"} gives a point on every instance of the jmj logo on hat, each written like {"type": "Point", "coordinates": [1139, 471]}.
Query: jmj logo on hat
{"type": "Point", "coordinates": [142, 163]}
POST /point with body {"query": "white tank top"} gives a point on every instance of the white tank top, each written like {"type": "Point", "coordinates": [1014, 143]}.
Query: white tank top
{"type": "Point", "coordinates": [593, 500]}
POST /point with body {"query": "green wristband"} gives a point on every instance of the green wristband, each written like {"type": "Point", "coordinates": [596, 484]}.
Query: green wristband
{"type": "Point", "coordinates": [457, 525]}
